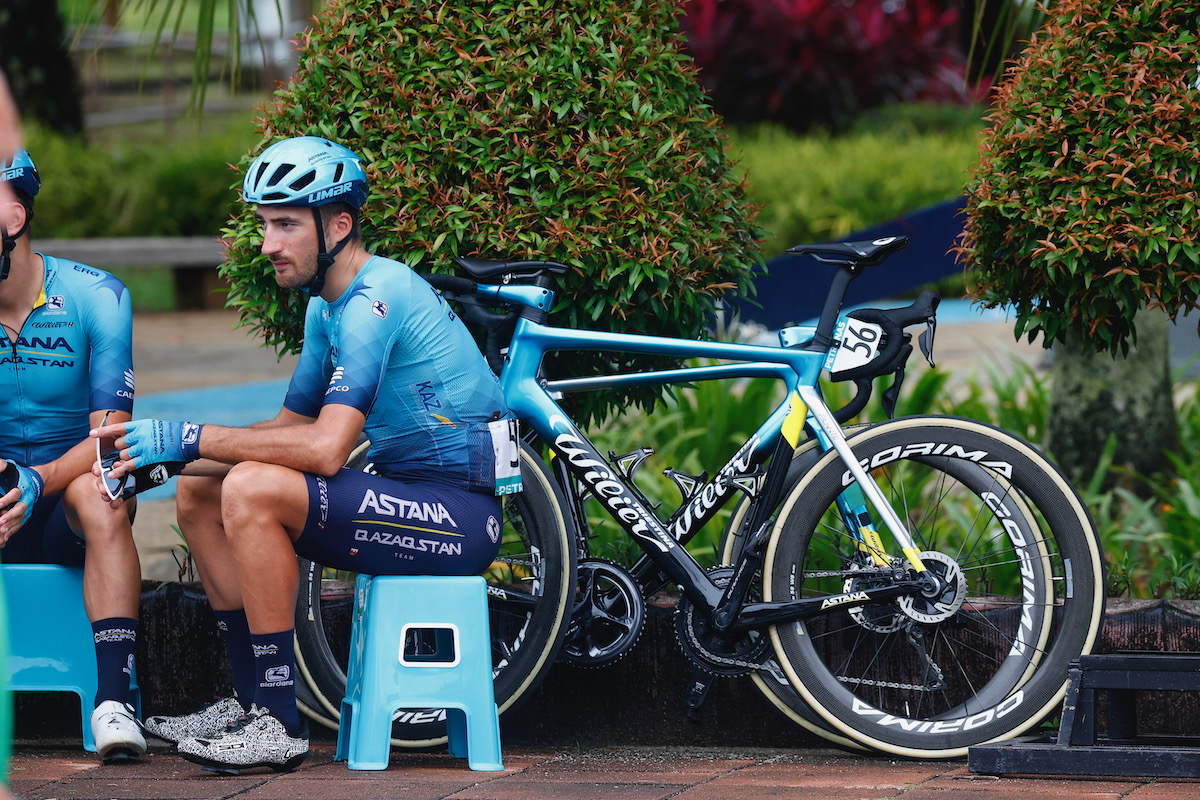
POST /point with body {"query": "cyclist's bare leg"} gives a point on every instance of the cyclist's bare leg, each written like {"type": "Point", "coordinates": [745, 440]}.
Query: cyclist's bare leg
{"type": "Point", "coordinates": [198, 507]}
{"type": "Point", "coordinates": [264, 509]}
{"type": "Point", "coordinates": [112, 574]}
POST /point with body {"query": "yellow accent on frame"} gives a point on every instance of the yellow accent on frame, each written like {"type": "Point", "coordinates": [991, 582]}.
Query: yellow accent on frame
{"type": "Point", "coordinates": [793, 424]}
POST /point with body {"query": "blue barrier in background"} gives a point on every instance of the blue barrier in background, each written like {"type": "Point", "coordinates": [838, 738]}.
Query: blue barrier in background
{"type": "Point", "coordinates": [793, 287]}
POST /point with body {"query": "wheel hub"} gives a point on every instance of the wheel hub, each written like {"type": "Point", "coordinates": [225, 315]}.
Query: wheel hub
{"type": "Point", "coordinates": [946, 596]}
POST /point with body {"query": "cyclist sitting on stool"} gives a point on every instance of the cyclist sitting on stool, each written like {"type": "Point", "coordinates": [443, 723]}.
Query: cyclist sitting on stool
{"type": "Point", "coordinates": [383, 354]}
{"type": "Point", "coordinates": [67, 359]}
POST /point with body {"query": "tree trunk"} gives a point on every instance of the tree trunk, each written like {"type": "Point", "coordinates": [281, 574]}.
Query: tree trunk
{"type": "Point", "coordinates": [1096, 396]}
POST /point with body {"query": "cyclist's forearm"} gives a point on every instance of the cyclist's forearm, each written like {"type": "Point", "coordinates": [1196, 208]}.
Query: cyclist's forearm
{"type": "Point", "coordinates": [320, 448]}
{"type": "Point", "coordinates": [58, 474]}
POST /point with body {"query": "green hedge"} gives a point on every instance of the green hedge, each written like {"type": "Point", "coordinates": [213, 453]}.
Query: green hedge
{"type": "Point", "coordinates": [180, 187]}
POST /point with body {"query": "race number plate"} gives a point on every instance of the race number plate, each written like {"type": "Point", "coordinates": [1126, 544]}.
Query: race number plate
{"type": "Point", "coordinates": [857, 344]}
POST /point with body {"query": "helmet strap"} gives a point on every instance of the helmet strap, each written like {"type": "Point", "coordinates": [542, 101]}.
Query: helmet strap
{"type": "Point", "coordinates": [324, 259]}
{"type": "Point", "coordinates": [7, 243]}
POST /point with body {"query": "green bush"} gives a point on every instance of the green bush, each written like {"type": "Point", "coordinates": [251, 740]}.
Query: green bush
{"type": "Point", "coordinates": [178, 187]}
{"type": "Point", "coordinates": [1083, 208]}
{"type": "Point", "coordinates": [521, 129]}
{"type": "Point", "coordinates": [817, 187]}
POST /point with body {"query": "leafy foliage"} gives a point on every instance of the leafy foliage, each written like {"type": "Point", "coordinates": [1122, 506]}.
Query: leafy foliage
{"type": "Point", "coordinates": [815, 187]}
{"type": "Point", "coordinates": [805, 63]}
{"type": "Point", "coordinates": [1083, 206]}
{"type": "Point", "coordinates": [519, 129]}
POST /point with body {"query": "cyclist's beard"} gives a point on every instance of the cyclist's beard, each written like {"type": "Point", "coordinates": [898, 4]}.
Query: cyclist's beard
{"type": "Point", "coordinates": [296, 277]}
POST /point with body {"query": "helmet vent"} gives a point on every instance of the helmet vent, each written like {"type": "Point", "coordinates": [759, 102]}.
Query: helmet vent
{"type": "Point", "coordinates": [280, 173]}
{"type": "Point", "coordinates": [303, 180]}
{"type": "Point", "coordinates": [337, 173]}
{"type": "Point", "coordinates": [258, 175]}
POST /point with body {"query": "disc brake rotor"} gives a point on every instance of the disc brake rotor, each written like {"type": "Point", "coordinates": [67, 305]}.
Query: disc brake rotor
{"type": "Point", "coordinates": [946, 603]}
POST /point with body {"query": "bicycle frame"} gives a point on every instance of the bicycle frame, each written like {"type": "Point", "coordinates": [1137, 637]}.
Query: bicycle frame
{"type": "Point", "coordinates": [533, 399]}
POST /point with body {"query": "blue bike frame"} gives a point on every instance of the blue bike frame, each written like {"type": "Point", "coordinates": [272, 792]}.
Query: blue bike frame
{"type": "Point", "coordinates": [533, 399]}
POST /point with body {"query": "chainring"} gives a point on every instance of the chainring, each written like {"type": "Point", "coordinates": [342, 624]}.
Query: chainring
{"type": "Point", "coordinates": [712, 651]}
{"type": "Point", "coordinates": [608, 616]}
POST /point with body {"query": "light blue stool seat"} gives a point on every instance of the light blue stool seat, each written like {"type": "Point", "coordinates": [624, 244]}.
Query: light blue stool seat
{"type": "Point", "coordinates": [447, 664]}
{"type": "Point", "coordinates": [51, 645]}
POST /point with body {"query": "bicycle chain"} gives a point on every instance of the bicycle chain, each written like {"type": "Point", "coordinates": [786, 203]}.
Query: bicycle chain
{"type": "Point", "coordinates": [700, 653]}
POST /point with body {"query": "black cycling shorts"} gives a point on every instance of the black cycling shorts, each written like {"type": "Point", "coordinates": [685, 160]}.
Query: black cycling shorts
{"type": "Point", "coordinates": [368, 523]}
{"type": "Point", "coordinates": [45, 538]}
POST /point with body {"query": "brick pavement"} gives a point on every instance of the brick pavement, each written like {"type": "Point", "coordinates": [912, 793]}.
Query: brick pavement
{"type": "Point", "coordinates": [531, 773]}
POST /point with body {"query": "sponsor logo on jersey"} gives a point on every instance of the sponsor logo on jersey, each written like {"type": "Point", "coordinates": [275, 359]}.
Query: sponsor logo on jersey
{"type": "Point", "coordinates": [338, 374]}
{"type": "Point", "coordinates": [42, 351]}
{"type": "Point", "coordinates": [85, 270]}
{"type": "Point", "coordinates": [428, 395]}
{"type": "Point", "coordinates": [379, 309]}
{"type": "Point", "coordinates": [56, 302]}
{"type": "Point", "coordinates": [129, 378]}
{"type": "Point", "coordinates": [493, 529]}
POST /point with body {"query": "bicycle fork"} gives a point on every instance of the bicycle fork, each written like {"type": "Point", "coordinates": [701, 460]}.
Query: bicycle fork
{"type": "Point", "coordinates": [733, 614]}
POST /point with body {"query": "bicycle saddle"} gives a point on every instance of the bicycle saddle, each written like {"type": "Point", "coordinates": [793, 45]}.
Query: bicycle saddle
{"type": "Point", "coordinates": [866, 254]}
{"type": "Point", "coordinates": [488, 271]}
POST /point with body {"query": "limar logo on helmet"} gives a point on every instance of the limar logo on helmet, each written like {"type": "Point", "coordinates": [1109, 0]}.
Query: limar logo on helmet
{"type": "Point", "coordinates": [332, 191]}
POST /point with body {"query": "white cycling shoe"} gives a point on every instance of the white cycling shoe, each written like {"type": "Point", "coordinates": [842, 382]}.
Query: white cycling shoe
{"type": "Point", "coordinates": [116, 731]}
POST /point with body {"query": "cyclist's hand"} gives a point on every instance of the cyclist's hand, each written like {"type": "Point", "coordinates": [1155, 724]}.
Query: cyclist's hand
{"type": "Point", "coordinates": [22, 487]}
{"type": "Point", "coordinates": [153, 441]}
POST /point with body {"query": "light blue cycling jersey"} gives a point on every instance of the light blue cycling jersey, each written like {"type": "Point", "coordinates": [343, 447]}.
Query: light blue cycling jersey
{"type": "Point", "coordinates": [74, 355]}
{"type": "Point", "coordinates": [392, 348]}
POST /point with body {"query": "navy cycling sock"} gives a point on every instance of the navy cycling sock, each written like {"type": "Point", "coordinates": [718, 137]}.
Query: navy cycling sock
{"type": "Point", "coordinates": [275, 664]}
{"type": "Point", "coordinates": [115, 640]}
{"type": "Point", "coordinates": [236, 633]}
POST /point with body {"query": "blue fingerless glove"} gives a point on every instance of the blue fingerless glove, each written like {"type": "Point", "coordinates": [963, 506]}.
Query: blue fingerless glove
{"type": "Point", "coordinates": [153, 441]}
{"type": "Point", "coordinates": [27, 480]}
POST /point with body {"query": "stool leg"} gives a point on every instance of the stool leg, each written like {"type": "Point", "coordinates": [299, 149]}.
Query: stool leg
{"type": "Point", "coordinates": [483, 731]}
{"type": "Point", "coordinates": [370, 738]}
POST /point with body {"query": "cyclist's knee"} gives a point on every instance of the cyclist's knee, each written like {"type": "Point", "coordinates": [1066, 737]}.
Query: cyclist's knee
{"type": "Point", "coordinates": [256, 488]}
{"type": "Point", "coordinates": [197, 493]}
{"type": "Point", "coordinates": [87, 511]}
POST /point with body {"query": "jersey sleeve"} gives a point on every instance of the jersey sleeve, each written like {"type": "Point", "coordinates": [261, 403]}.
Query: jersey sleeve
{"type": "Point", "coordinates": [108, 313]}
{"type": "Point", "coordinates": [368, 324]}
{"type": "Point", "coordinates": [306, 390]}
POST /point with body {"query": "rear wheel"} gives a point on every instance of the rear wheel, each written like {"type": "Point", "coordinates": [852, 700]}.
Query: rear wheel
{"type": "Point", "coordinates": [986, 659]}
{"type": "Point", "coordinates": [530, 586]}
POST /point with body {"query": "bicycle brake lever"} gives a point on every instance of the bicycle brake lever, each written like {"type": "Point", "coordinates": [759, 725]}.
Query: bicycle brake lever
{"type": "Point", "coordinates": [892, 393]}
{"type": "Point", "coordinates": [926, 339]}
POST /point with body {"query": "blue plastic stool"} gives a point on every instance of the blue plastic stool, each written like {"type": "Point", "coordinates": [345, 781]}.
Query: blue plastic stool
{"type": "Point", "coordinates": [447, 664]}
{"type": "Point", "coordinates": [51, 645]}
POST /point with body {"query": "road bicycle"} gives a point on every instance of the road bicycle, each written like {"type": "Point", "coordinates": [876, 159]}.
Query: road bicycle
{"type": "Point", "coordinates": [914, 587]}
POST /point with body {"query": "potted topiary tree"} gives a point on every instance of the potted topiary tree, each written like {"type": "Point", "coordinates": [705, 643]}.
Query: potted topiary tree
{"type": "Point", "coordinates": [1082, 215]}
{"type": "Point", "coordinates": [575, 132]}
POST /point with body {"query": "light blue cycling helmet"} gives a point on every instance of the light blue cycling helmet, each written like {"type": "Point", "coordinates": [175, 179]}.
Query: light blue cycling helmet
{"type": "Point", "coordinates": [310, 172]}
{"type": "Point", "coordinates": [21, 173]}
{"type": "Point", "coordinates": [305, 171]}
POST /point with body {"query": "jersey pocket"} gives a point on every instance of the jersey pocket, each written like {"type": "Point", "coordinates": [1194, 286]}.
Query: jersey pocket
{"type": "Point", "coordinates": [495, 457]}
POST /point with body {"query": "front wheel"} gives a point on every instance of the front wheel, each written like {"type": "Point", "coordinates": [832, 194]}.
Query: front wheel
{"type": "Point", "coordinates": [985, 660]}
{"type": "Point", "coordinates": [530, 588]}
